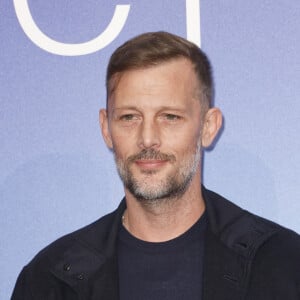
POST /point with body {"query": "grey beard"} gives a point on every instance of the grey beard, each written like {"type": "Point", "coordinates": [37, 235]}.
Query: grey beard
{"type": "Point", "coordinates": [169, 188]}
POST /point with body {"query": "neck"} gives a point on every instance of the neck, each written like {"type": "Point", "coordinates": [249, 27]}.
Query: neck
{"type": "Point", "coordinates": [164, 219]}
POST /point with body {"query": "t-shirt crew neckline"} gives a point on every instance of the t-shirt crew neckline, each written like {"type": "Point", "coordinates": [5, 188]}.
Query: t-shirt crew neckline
{"type": "Point", "coordinates": [171, 245]}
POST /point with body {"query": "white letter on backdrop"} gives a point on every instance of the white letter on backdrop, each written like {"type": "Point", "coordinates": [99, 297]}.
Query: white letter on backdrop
{"type": "Point", "coordinates": [43, 41]}
{"type": "Point", "coordinates": [193, 21]}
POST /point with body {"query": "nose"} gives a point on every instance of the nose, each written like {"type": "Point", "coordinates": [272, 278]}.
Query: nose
{"type": "Point", "coordinates": [149, 135]}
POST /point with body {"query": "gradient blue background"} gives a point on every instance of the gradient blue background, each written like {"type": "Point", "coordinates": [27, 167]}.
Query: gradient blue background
{"type": "Point", "coordinates": [56, 174]}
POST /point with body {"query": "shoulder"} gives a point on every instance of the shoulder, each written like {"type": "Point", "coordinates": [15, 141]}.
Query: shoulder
{"type": "Point", "coordinates": [269, 252]}
{"type": "Point", "coordinates": [228, 219]}
{"type": "Point", "coordinates": [93, 236]}
{"type": "Point", "coordinates": [275, 271]}
{"type": "Point", "coordinates": [85, 249]}
{"type": "Point", "coordinates": [238, 229]}
{"type": "Point", "coordinates": [281, 249]}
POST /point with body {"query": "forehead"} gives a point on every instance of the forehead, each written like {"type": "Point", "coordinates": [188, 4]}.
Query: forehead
{"type": "Point", "coordinates": [168, 80]}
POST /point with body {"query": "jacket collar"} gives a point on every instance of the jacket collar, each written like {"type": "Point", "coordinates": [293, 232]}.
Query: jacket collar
{"type": "Point", "coordinates": [233, 238]}
{"type": "Point", "coordinates": [91, 257]}
{"type": "Point", "coordinates": [241, 231]}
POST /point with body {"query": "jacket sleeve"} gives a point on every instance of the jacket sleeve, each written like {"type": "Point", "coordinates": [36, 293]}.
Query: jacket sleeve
{"type": "Point", "coordinates": [22, 289]}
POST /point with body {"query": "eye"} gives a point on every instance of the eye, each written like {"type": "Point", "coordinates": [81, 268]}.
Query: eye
{"type": "Point", "coordinates": [172, 117]}
{"type": "Point", "coordinates": [128, 117]}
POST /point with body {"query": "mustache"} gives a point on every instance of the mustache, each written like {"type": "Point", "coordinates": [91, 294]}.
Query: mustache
{"type": "Point", "coordinates": [151, 154]}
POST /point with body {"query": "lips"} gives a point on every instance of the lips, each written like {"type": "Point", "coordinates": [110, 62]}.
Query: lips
{"type": "Point", "coordinates": [150, 163]}
{"type": "Point", "coordinates": [151, 156]}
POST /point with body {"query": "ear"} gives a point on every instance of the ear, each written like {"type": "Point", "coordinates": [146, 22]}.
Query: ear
{"type": "Point", "coordinates": [211, 126]}
{"type": "Point", "coordinates": [103, 119]}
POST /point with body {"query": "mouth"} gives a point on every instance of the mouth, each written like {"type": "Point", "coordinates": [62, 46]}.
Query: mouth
{"type": "Point", "coordinates": [150, 160]}
{"type": "Point", "coordinates": [150, 163]}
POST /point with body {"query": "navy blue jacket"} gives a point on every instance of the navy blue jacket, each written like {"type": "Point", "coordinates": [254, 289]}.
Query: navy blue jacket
{"type": "Point", "coordinates": [246, 257]}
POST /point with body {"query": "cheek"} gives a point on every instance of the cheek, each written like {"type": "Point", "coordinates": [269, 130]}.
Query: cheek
{"type": "Point", "coordinates": [183, 141]}
{"type": "Point", "coordinates": [123, 147]}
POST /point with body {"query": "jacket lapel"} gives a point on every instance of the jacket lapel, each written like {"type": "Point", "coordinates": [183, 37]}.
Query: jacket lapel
{"type": "Point", "coordinates": [89, 266]}
{"type": "Point", "coordinates": [88, 273]}
{"type": "Point", "coordinates": [232, 239]}
{"type": "Point", "coordinates": [223, 271]}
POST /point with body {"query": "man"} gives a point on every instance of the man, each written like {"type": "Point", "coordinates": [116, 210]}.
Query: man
{"type": "Point", "coordinates": [170, 238]}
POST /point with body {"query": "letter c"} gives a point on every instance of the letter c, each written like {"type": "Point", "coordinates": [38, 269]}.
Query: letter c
{"type": "Point", "coordinates": [193, 21]}
{"type": "Point", "coordinates": [43, 41]}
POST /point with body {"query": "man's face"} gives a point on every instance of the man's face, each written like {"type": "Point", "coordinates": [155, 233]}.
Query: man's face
{"type": "Point", "coordinates": [154, 127]}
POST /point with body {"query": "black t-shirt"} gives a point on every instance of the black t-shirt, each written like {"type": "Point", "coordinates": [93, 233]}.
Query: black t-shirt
{"type": "Point", "coordinates": [168, 270]}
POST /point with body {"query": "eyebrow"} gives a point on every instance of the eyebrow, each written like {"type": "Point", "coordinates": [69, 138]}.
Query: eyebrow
{"type": "Point", "coordinates": [160, 108]}
{"type": "Point", "coordinates": [125, 107]}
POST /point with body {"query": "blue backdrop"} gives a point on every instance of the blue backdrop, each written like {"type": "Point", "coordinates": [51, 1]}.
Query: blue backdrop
{"type": "Point", "coordinates": [56, 174]}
